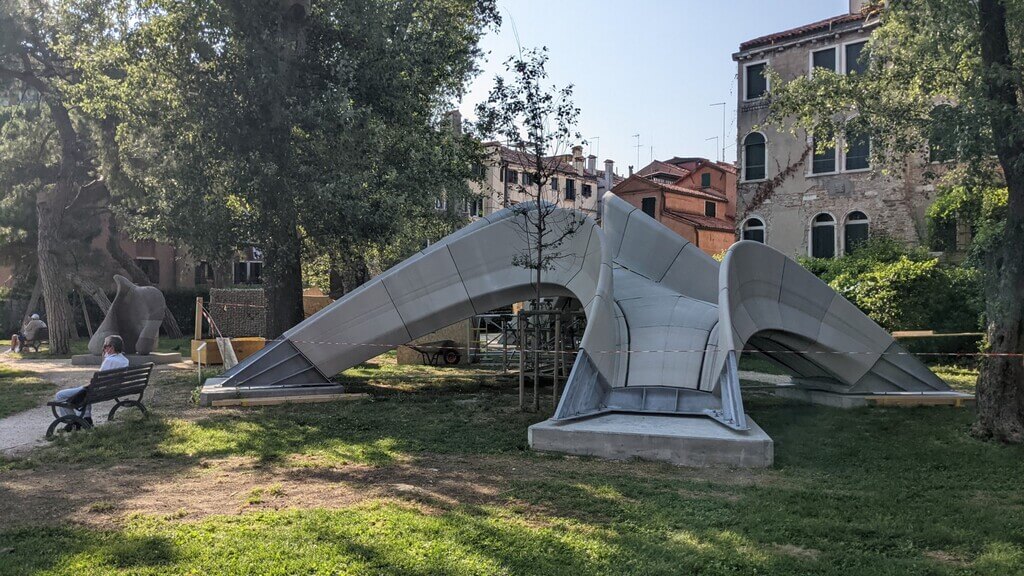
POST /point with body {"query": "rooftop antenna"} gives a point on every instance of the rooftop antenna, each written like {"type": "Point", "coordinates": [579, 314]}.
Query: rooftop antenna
{"type": "Point", "coordinates": [598, 139]}
{"type": "Point", "coordinates": [638, 147]}
{"type": "Point", "coordinates": [722, 104]}
{"type": "Point", "coordinates": [715, 138]}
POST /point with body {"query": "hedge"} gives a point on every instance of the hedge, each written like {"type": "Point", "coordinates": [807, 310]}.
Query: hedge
{"type": "Point", "coordinates": [905, 289]}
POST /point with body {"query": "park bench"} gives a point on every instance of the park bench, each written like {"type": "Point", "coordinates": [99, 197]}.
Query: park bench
{"type": "Point", "coordinates": [106, 385]}
{"type": "Point", "coordinates": [41, 335]}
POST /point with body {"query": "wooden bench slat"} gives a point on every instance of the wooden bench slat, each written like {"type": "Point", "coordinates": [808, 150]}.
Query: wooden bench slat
{"type": "Point", "coordinates": [111, 384]}
{"type": "Point", "coordinates": [111, 375]}
{"type": "Point", "coordinates": [102, 383]}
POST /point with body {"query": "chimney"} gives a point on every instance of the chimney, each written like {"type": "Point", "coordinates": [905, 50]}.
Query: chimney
{"type": "Point", "coordinates": [609, 179]}
{"type": "Point", "coordinates": [630, 169]}
{"type": "Point", "coordinates": [856, 6]}
{"type": "Point", "coordinates": [592, 164]}
{"type": "Point", "coordinates": [456, 119]}
{"type": "Point", "coordinates": [577, 159]}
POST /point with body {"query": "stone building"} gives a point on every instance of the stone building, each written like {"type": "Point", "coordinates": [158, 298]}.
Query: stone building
{"type": "Point", "coordinates": [694, 197]}
{"type": "Point", "coordinates": [808, 203]}
{"type": "Point", "coordinates": [506, 180]}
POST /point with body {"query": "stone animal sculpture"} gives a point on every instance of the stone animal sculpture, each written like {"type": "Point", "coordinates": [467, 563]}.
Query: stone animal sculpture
{"type": "Point", "coordinates": [135, 314]}
{"type": "Point", "coordinates": [666, 323]}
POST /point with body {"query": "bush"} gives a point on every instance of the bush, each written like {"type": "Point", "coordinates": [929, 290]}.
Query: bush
{"type": "Point", "coordinates": [904, 289]}
{"type": "Point", "coordinates": [182, 304]}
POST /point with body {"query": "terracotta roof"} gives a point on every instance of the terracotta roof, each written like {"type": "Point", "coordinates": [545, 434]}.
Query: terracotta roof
{"type": "Point", "coordinates": [708, 194]}
{"type": "Point", "coordinates": [704, 222]}
{"type": "Point", "coordinates": [827, 24]}
{"type": "Point", "coordinates": [659, 167]}
{"type": "Point", "coordinates": [561, 164]}
{"type": "Point", "coordinates": [727, 167]}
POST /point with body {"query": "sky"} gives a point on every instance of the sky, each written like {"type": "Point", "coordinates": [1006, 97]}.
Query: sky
{"type": "Point", "coordinates": [648, 67]}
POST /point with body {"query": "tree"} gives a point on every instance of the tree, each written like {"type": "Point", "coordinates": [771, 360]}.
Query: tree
{"type": "Point", "coordinates": [950, 73]}
{"type": "Point", "coordinates": [47, 161]}
{"type": "Point", "coordinates": [58, 122]}
{"type": "Point", "coordinates": [537, 122]}
{"type": "Point", "coordinates": [292, 129]}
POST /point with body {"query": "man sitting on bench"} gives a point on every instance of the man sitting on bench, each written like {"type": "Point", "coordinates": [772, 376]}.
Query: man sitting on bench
{"type": "Point", "coordinates": [113, 345]}
{"type": "Point", "coordinates": [29, 333]}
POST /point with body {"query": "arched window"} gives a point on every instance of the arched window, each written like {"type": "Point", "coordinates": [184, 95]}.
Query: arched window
{"type": "Point", "coordinates": [855, 231]}
{"type": "Point", "coordinates": [754, 156]}
{"type": "Point", "coordinates": [753, 229]}
{"type": "Point", "coordinates": [823, 236]}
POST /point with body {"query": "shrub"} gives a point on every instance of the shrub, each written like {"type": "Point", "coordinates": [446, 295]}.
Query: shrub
{"type": "Point", "coordinates": [904, 289]}
{"type": "Point", "coordinates": [182, 304]}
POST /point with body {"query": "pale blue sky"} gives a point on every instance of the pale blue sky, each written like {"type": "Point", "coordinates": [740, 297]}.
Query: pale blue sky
{"type": "Point", "coordinates": [651, 67]}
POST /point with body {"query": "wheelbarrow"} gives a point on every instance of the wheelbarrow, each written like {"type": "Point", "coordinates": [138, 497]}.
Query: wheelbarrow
{"type": "Point", "coordinates": [440, 350]}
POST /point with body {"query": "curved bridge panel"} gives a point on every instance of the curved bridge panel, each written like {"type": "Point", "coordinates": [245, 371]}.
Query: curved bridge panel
{"type": "Point", "coordinates": [666, 323]}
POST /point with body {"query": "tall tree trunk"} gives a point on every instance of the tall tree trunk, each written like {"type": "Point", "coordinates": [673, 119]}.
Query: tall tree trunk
{"type": "Point", "coordinates": [99, 297]}
{"type": "Point", "coordinates": [1000, 390]}
{"type": "Point", "coordinates": [283, 281]}
{"type": "Point", "coordinates": [59, 320]}
{"type": "Point", "coordinates": [283, 250]}
{"type": "Point", "coordinates": [50, 204]}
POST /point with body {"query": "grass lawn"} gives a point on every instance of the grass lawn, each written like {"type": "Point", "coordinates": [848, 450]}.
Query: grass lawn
{"type": "Point", "coordinates": [81, 346]}
{"type": "Point", "coordinates": [432, 478]}
{"type": "Point", "coordinates": [20, 390]}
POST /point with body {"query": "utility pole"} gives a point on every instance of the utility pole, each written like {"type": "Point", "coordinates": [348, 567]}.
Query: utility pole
{"type": "Point", "coordinates": [722, 104]}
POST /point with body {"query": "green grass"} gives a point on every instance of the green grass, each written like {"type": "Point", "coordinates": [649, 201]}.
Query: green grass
{"type": "Point", "coordinates": [81, 346]}
{"type": "Point", "coordinates": [853, 492]}
{"type": "Point", "coordinates": [959, 378]}
{"type": "Point", "coordinates": [757, 363]}
{"type": "Point", "coordinates": [20, 390]}
{"type": "Point", "coordinates": [412, 409]}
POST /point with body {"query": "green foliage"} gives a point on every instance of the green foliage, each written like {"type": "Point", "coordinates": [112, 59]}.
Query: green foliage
{"type": "Point", "coordinates": [182, 304]}
{"type": "Point", "coordinates": [329, 128]}
{"type": "Point", "coordinates": [982, 211]}
{"type": "Point", "coordinates": [904, 289]}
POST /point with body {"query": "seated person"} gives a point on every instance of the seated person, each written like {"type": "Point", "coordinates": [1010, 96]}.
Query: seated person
{"type": "Point", "coordinates": [113, 345]}
{"type": "Point", "coordinates": [29, 332]}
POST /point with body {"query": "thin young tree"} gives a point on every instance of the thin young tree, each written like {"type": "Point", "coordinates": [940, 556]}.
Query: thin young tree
{"type": "Point", "coordinates": [537, 121]}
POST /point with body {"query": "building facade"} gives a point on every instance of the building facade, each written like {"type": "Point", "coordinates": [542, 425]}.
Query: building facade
{"type": "Point", "coordinates": [506, 180]}
{"type": "Point", "coordinates": [694, 197]}
{"type": "Point", "coordinates": [795, 196]}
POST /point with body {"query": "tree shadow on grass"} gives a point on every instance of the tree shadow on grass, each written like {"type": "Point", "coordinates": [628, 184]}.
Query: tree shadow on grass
{"type": "Point", "coordinates": [80, 551]}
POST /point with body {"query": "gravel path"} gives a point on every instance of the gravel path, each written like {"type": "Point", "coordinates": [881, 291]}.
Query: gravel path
{"type": "Point", "coordinates": [25, 430]}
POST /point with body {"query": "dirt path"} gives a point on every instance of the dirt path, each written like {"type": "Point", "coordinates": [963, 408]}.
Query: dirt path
{"type": "Point", "coordinates": [25, 430]}
{"type": "Point", "coordinates": [103, 496]}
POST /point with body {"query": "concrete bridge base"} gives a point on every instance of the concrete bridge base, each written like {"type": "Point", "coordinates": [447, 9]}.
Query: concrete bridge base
{"type": "Point", "coordinates": [685, 441]}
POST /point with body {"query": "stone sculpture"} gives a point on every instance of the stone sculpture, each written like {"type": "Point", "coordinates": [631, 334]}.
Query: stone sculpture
{"type": "Point", "coordinates": [665, 322]}
{"type": "Point", "coordinates": [136, 315]}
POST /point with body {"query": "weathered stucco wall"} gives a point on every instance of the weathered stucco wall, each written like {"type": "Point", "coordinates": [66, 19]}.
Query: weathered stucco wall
{"type": "Point", "coordinates": [895, 205]}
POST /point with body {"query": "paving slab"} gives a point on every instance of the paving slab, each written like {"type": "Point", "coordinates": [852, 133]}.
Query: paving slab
{"type": "Point", "coordinates": [894, 399]}
{"type": "Point", "coordinates": [685, 441]}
